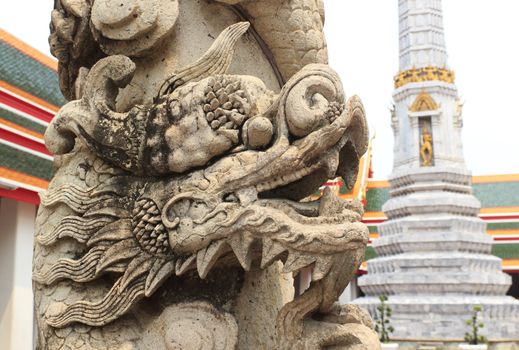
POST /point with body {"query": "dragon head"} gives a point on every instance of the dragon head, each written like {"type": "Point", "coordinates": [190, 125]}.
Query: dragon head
{"type": "Point", "coordinates": [263, 158]}
{"type": "Point", "coordinates": [251, 204]}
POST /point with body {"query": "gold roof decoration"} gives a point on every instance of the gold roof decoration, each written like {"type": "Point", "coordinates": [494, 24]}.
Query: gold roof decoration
{"type": "Point", "coordinates": [418, 75]}
{"type": "Point", "coordinates": [424, 102]}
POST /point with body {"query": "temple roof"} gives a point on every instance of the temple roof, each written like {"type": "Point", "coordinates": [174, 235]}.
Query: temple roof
{"type": "Point", "coordinates": [29, 99]}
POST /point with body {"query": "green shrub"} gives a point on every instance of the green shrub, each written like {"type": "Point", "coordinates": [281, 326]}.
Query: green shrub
{"type": "Point", "coordinates": [473, 337]}
{"type": "Point", "coordinates": [382, 320]}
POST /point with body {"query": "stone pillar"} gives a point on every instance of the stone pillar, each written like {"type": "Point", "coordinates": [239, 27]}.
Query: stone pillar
{"type": "Point", "coordinates": [175, 218]}
{"type": "Point", "coordinates": [16, 300]}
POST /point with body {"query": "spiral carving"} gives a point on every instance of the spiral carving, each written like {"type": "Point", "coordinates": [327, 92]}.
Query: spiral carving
{"type": "Point", "coordinates": [310, 101]}
{"type": "Point", "coordinates": [132, 27]}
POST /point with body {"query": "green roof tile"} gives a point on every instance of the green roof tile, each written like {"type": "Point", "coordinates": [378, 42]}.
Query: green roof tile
{"type": "Point", "coordinates": [22, 71]}
{"type": "Point", "coordinates": [506, 251]}
{"type": "Point", "coordinates": [373, 228]}
{"type": "Point", "coordinates": [502, 225]}
{"type": "Point", "coordinates": [22, 121]}
{"type": "Point", "coordinates": [24, 162]}
{"type": "Point", "coordinates": [502, 194]}
{"type": "Point", "coordinates": [375, 198]}
{"type": "Point", "coordinates": [491, 195]}
{"type": "Point", "coordinates": [370, 254]}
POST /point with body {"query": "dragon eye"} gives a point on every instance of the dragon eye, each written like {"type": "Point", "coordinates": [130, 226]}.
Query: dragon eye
{"type": "Point", "coordinates": [258, 132]}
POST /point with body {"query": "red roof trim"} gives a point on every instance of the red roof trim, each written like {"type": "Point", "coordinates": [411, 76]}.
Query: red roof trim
{"type": "Point", "coordinates": [24, 142]}
{"type": "Point", "coordinates": [21, 195]}
{"type": "Point", "coordinates": [16, 103]}
{"type": "Point", "coordinates": [373, 221]}
{"type": "Point", "coordinates": [500, 217]}
{"type": "Point", "coordinates": [509, 239]}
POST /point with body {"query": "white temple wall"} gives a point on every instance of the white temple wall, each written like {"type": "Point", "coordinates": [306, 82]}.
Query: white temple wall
{"type": "Point", "coordinates": [16, 300]}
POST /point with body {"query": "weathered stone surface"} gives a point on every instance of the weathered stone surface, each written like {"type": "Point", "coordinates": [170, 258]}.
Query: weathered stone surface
{"type": "Point", "coordinates": [174, 220]}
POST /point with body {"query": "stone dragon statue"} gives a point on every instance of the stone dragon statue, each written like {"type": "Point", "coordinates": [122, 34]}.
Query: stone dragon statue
{"type": "Point", "coordinates": [178, 217]}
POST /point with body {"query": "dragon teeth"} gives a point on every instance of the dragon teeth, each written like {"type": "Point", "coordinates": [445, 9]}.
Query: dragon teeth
{"type": "Point", "coordinates": [241, 246]}
{"type": "Point", "coordinates": [183, 265]}
{"type": "Point", "coordinates": [296, 262]}
{"type": "Point", "coordinates": [207, 258]}
{"type": "Point", "coordinates": [305, 279]}
{"type": "Point", "coordinates": [262, 187]}
{"type": "Point", "coordinates": [285, 179]}
{"type": "Point", "coordinates": [271, 250]}
{"type": "Point", "coordinates": [322, 267]}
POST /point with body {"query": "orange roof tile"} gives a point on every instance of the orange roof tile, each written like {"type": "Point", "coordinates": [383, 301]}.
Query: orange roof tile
{"type": "Point", "coordinates": [28, 50]}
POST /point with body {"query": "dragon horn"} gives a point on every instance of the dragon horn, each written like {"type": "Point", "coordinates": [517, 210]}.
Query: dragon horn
{"type": "Point", "coordinates": [215, 61]}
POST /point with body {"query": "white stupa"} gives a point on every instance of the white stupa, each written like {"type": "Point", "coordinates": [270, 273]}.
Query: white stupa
{"type": "Point", "coordinates": [434, 260]}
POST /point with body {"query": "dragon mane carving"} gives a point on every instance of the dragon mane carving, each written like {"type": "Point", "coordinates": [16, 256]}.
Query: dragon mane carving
{"type": "Point", "coordinates": [178, 222]}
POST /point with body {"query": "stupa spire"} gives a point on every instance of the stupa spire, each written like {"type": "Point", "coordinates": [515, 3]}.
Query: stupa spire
{"type": "Point", "coordinates": [423, 54]}
{"type": "Point", "coordinates": [422, 40]}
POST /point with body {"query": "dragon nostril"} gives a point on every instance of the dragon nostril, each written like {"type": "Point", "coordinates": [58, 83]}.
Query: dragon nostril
{"type": "Point", "coordinates": [173, 211]}
{"type": "Point", "coordinates": [171, 221]}
{"type": "Point", "coordinates": [185, 206]}
{"type": "Point", "coordinates": [230, 198]}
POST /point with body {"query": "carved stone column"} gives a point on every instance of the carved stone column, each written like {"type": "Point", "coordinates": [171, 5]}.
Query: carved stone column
{"type": "Point", "coordinates": [174, 220]}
